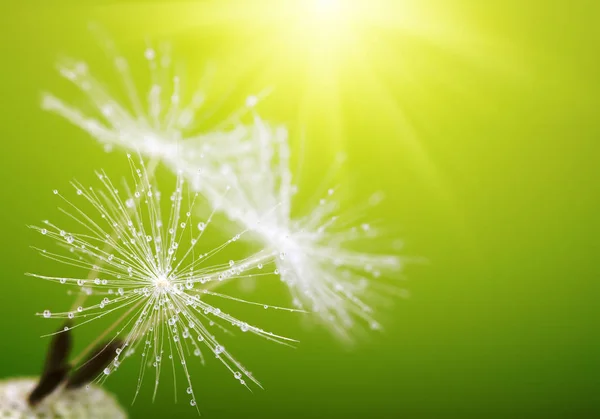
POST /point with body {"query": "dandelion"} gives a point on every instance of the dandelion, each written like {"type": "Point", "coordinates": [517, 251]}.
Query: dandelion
{"type": "Point", "coordinates": [319, 255]}
{"type": "Point", "coordinates": [147, 269]}
{"type": "Point", "coordinates": [154, 123]}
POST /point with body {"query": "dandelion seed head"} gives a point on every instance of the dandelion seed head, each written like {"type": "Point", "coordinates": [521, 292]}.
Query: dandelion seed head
{"type": "Point", "coordinates": [152, 286]}
{"type": "Point", "coordinates": [156, 120]}
{"type": "Point", "coordinates": [320, 254]}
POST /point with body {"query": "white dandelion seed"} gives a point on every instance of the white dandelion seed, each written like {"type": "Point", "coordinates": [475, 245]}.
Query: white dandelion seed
{"type": "Point", "coordinates": [147, 269]}
{"type": "Point", "coordinates": [153, 124]}
{"type": "Point", "coordinates": [318, 255]}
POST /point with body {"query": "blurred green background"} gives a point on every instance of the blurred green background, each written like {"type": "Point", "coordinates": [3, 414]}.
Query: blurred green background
{"type": "Point", "coordinates": [485, 138]}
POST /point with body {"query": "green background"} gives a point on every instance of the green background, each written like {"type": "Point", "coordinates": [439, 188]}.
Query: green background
{"type": "Point", "coordinates": [502, 321]}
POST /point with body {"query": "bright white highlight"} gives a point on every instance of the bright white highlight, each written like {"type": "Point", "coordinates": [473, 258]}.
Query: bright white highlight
{"type": "Point", "coordinates": [326, 7]}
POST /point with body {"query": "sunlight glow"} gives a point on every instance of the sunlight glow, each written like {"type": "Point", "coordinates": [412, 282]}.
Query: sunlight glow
{"type": "Point", "coordinates": [338, 65]}
{"type": "Point", "coordinates": [326, 8]}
